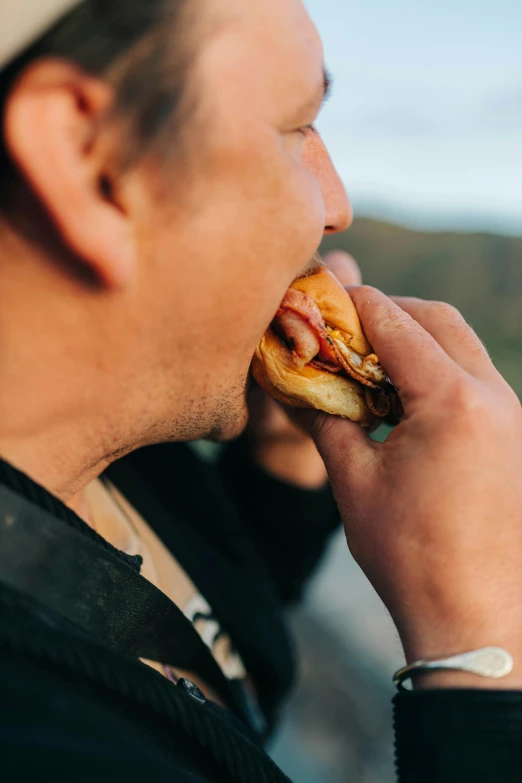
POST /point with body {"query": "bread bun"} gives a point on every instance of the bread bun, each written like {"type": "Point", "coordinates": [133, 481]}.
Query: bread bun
{"type": "Point", "coordinates": [336, 307]}
{"type": "Point", "coordinates": [315, 355]}
{"type": "Point", "coordinates": [274, 369]}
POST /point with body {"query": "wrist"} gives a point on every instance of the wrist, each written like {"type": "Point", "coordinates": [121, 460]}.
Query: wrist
{"type": "Point", "coordinates": [458, 642]}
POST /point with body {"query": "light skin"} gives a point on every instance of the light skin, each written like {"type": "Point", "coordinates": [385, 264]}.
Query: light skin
{"type": "Point", "coordinates": [176, 366]}
{"type": "Point", "coordinates": [129, 314]}
{"type": "Point", "coordinates": [434, 515]}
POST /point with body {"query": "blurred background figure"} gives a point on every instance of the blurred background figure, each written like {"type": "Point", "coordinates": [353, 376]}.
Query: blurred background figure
{"type": "Point", "coordinates": [425, 126]}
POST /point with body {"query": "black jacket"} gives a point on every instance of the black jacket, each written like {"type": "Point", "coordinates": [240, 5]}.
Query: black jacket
{"type": "Point", "coordinates": [72, 707]}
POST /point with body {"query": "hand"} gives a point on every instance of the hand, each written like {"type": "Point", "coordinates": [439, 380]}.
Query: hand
{"type": "Point", "coordinates": [434, 515]}
{"type": "Point", "coordinates": [278, 445]}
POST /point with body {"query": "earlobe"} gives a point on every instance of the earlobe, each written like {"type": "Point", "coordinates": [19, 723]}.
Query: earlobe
{"type": "Point", "coordinates": [55, 134]}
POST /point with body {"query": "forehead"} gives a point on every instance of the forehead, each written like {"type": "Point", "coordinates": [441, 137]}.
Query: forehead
{"type": "Point", "coordinates": [261, 50]}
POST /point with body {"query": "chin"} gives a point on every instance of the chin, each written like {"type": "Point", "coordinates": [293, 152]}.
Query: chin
{"type": "Point", "coordinates": [228, 413]}
{"type": "Point", "coordinates": [231, 428]}
{"type": "Point", "coordinates": [218, 417]}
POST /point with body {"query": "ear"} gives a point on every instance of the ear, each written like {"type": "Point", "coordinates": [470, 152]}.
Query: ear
{"type": "Point", "coordinates": [55, 135]}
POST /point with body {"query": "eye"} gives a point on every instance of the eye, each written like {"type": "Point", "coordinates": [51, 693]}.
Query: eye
{"type": "Point", "coordinates": [306, 129]}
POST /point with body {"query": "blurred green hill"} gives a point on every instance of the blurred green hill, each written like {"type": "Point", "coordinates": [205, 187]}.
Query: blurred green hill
{"type": "Point", "coordinates": [481, 274]}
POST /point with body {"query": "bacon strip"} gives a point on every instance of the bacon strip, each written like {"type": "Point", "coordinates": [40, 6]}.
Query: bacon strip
{"type": "Point", "coordinates": [326, 367]}
{"type": "Point", "coordinates": [300, 324]}
{"type": "Point", "coordinates": [378, 402]}
{"type": "Point", "coordinates": [299, 335]}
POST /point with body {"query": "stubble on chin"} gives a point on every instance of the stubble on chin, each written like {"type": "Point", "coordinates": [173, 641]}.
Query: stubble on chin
{"type": "Point", "coordinates": [232, 427]}
{"type": "Point", "coordinates": [217, 419]}
{"type": "Point", "coordinates": [230, 415]}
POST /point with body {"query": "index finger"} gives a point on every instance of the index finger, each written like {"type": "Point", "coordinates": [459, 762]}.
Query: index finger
{"type": "Point", "coordinates": [413, 359]}
{"type": "Point", "coordinates": [451, 331]}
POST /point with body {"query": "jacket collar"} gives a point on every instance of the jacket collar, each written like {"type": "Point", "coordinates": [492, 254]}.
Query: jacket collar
{"type": "Point", "coordinates": [23, 485]}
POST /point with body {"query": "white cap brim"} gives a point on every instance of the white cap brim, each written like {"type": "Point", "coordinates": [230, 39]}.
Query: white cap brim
{"type": "Point", "coordinates": [23, 21]}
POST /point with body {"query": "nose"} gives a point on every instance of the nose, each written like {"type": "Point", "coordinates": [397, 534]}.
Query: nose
{"type": "Point", "coordinates": [338, 209]}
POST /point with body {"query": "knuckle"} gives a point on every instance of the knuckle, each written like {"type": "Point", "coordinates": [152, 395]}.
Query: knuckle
{"type": "Point", "coordinates": [394, 321]}
{"type": "Point", "coordinates": [466, 399]}
{"type": "Point", "coordinates": [471, 344]}
{"type": "Point", "coordinates": [383, 313]}
{"type": "Point", "coordinates": [391, 318]}
{"type": "Point", "coordinates": [367, 291]}
{"type": "Point", "coordinates": [479, 396]}
{"type": "Point", "coordinates": [513, 404]}
{"type": "Point", "coordinates": [463, 334]}
{"type": "Point", "coordinates": [479, 353]}
{"type": "Point", "coordinates": [447, 312]}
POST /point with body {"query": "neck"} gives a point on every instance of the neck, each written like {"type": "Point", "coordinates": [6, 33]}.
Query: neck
{"type": "Point", "coordinates": [62, 462]}
{"type": "Point", "coordinates": [59, 384]}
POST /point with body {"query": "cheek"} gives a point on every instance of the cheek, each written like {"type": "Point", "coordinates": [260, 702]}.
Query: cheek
{"type": "Point", "coordinates": [276, 225]}
{"type": "Point", "coordinates": [264, 195]}
{"type": "Point", "coordinates": [304, 220]}
{"type": "Point", "coordinates": [288, 242]}
{"type": "Point", "coordinates": [249, 223]}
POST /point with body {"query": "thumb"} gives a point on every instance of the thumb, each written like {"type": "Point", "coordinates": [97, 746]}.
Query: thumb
{"type": "Point", "coordinates": [343, 445]}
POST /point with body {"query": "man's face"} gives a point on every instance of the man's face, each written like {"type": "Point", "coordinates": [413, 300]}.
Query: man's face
{"type": "Point", "coordinates": [253, 197]}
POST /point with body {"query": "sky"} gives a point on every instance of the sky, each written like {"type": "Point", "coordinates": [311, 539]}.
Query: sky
{"type": "Point", "coordinates": [425, 119]}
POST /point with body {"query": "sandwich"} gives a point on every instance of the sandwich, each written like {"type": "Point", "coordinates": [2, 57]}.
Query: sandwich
{"type": "Point", "coordinates": [315, 355]}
